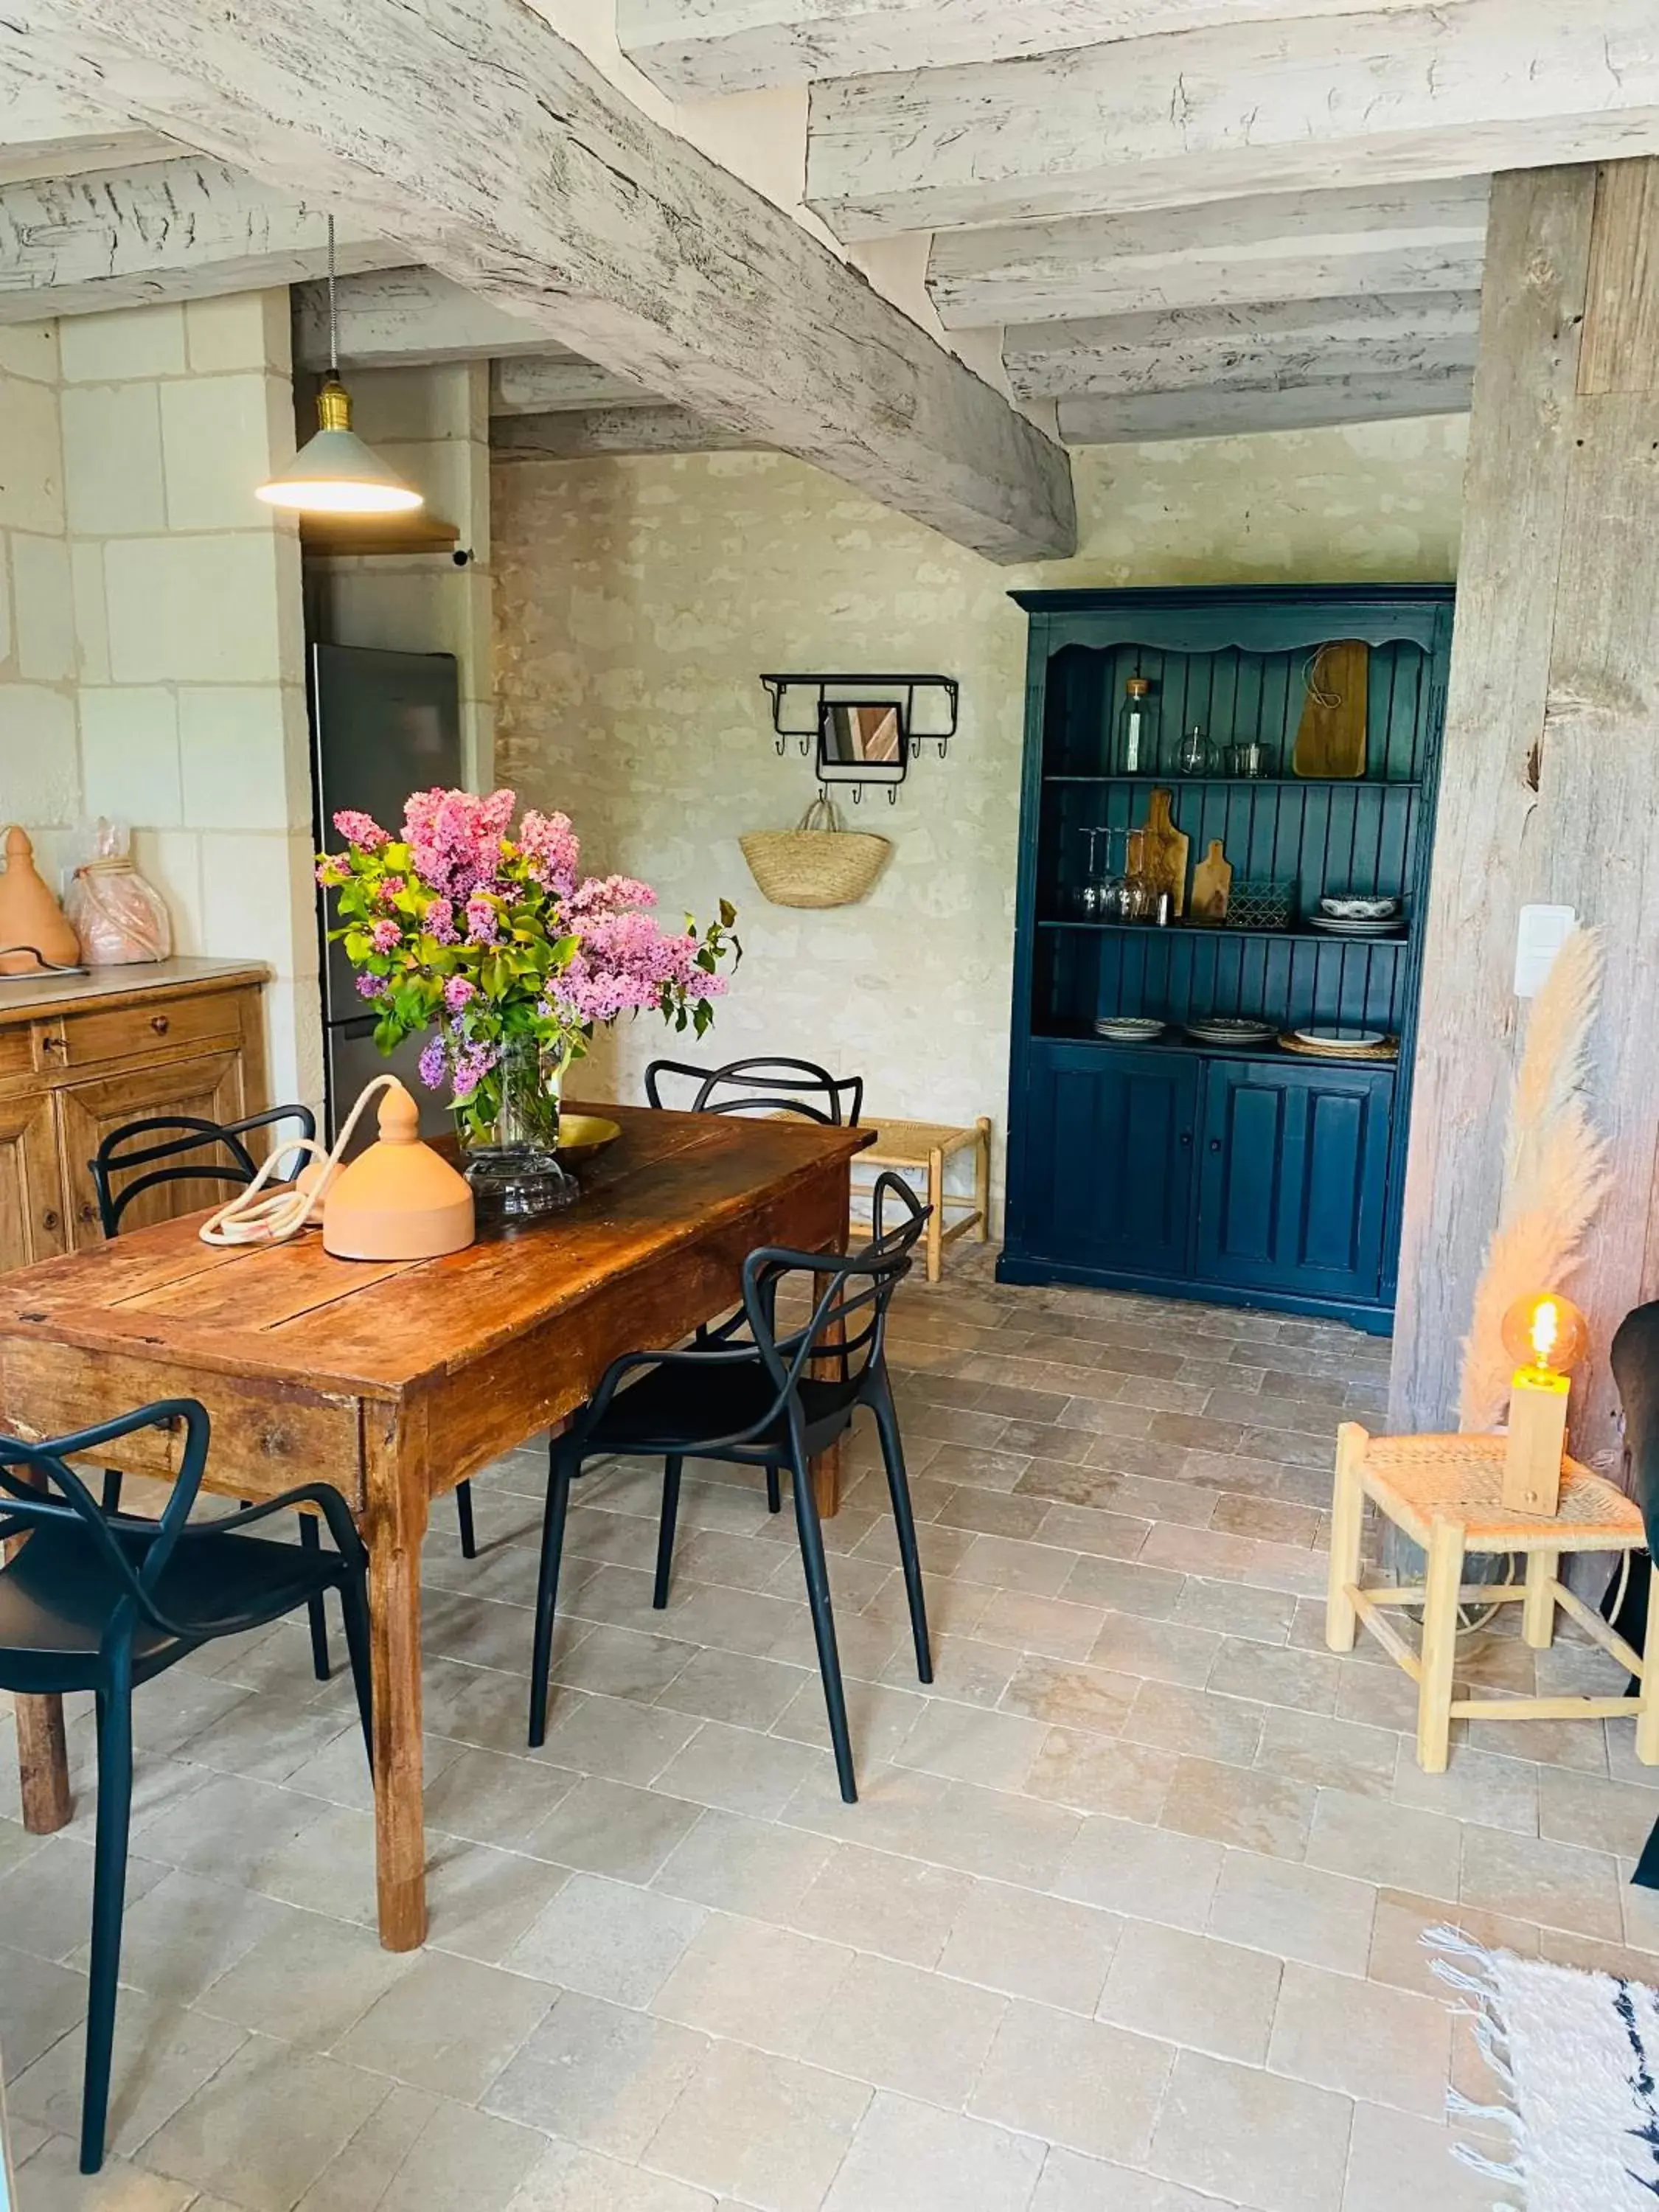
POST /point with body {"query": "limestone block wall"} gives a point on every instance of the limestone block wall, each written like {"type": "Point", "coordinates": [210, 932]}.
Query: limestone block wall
{"type": "Point", "coordinates": [39, 775]}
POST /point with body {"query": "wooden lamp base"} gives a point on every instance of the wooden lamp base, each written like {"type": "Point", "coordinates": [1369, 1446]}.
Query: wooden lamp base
{"type": "Point", "coordinates": [1537, 1443]}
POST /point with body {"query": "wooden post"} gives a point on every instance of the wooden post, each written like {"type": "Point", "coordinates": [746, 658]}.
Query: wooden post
{"type": "Point", "coordinates": [1442, 1583]}
{"type": "Point", "coordinates": [1538, 1606]}
{"type": "Point", "coordinates": [1347, 1532]}
{"type": "Point", "coordinates": [1547, 784]}
{"type": "Point", "coordinates": [42, 1747]}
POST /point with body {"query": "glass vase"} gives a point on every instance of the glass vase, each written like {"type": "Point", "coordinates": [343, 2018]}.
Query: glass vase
{"type": "Point", "coordinates": [512, 1163]}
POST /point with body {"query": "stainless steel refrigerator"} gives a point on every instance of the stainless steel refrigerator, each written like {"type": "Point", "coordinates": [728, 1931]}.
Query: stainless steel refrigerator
{"type": "Point", "coordinates": [382, 725]}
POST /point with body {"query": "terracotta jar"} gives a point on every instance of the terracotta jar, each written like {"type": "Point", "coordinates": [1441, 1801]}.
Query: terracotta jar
{"type": "Point", "coordinates": [31, 921]}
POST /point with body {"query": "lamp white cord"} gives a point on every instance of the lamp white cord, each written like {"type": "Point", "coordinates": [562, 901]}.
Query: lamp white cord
{"type": "Point", "coordinates": [247, 1218]}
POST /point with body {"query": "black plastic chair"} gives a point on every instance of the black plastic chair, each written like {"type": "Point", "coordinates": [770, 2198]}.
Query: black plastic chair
{"type": "Point", "coordinates": [763, 1086]}
{"type": "Point", "coordinates": [102, 1601]}
{"type": "Point", "coordinates": [1633, 1356]}
{"type": "Point", "coordinates": [756, 1403]}
{"type": "Point", "coordinates": [140, 1158]}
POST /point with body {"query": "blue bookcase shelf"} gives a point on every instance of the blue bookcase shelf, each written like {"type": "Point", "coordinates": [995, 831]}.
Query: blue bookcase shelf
{"type": "Point", "coordinates": [1248, 1175]}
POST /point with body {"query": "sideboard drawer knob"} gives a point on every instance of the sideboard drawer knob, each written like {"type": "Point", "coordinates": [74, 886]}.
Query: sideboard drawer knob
{"type": "Point", "coordinates": [49, 1219]}
{"type": "Point", "coordinates": [159, 1023]}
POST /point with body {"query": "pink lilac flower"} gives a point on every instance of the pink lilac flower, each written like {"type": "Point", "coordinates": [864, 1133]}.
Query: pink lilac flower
{"type": "Point", "coordinates": [330, 869]}
{"type": "Point", "coordinates": [459, 991]}
{"type": "Point", "coordinates": [472, 1063]}
{"type": "Point", "coordinates": [551, 850]}
{"type": "Point", "coordinates": [388, 889]}
{"type": "Point", "coordinates": [482, 922]}
{"type": "Point", "coordinates": [432, 1063]}
{"type": "Point", "coordinates": [361, 829]}
{"type": "Point", "coordinates": [625, 962]}
{"type": "Point", "coordinates": [455, 837]}
{"type": "Point", "coordinates": [610, 895]}
{"type": "Point", "coordinates": [384, 935]}
{"type": "Point", "coordinates": [438, 922]}
{"type": "Point", "coordinates": [369, 987]}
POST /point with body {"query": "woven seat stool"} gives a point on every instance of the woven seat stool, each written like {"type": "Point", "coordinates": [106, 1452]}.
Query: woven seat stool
{"type": "Point", "coordinates": [1445, 1493]}
{"type": "Point", "coordinates": [928, 1145]}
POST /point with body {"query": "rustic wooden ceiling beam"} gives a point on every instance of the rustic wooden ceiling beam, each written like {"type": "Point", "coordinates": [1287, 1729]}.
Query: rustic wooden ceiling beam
{"type": "Point", "coordinates": [1272, 347]}
{"type": "Point", "coordinates": [394, 317]}
{"type": "Point", "coordinates": [698, 49]}
{"type": "Point", "coordinates": [1278, 246]}
{"type": "Point", "coordinates": [550, 383]}
{"type": "Point", "coordinates": [603, 433]}
{"type": "Point", "coordinates": [46, 132]}
{"type": "Point", "coordinates": [1147, 416]}
{"type": "Point", "coordinates": [492, 150]}
{"type": "Point", "coordinates": [183, 229]}
{"type": "Point", "coordinates": [1251, 107]}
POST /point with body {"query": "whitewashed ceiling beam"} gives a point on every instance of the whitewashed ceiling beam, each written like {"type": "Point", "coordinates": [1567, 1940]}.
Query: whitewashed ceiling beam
{"type": "Point", "coordinates": [1149, 416]}
{"type": "Point", "coordinates": [1278, 245]}
{"type": "Point", "coordinates": [183, 229]}
{"type": "Point", "coordinates": [1253, 107]}
{"type": "Point", "coordinates": [592, 434]}
{"type": "Point", "coordinates": [548, 384]}
{"type": "Point", "coordinates": [391, 318]}
{"type": "Point", "coordinates": [1241, 348]}
{"type": "Point", "coordinates": [46, 133]}
{"type": "Point", "coordinates": [496, 153]}
{"type": "Point", "coordinates": [698, 49]}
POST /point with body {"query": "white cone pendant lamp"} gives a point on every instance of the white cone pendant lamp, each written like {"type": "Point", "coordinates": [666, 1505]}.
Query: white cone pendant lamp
{"type": "Point", "coordinates": [334, 472]}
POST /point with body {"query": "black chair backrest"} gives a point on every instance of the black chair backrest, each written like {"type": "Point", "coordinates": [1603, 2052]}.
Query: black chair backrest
{"type": "Point", "coordinates": [124, 1154]}
{"type": "Point", "coordinates": [763, 1085]}
{"type": "Point", "coordinates": [1634, 1357]}
{"type": "Point", "coordinates": [56, 1497]}
{"type": "Point", "coordinates": [847, 1325]}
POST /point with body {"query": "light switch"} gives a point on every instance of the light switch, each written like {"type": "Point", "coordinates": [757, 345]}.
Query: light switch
{"type": "Point", "coordinates": [1540, 936]}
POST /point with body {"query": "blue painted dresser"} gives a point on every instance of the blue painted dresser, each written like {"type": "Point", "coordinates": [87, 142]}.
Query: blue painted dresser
{"type": "Point", "coordinates": [1249, 1176]}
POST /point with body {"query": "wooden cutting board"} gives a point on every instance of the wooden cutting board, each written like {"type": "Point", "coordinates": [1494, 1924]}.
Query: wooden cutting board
{"type": "Point", "coordinates": [1213, 884]}
{"type": "Point", "coordinates": [1330, 739]}
{"type": "Point", "coordinates": [1163, 850]}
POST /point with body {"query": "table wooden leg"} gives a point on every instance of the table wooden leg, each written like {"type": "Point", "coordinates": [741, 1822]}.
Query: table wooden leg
{"type": "Point", "coordinates": [42, 1753]}
{"type": "Point", "coordinates": [1442, 1582]}
{"type": "Point", "coordinates": [394, 1536]}
{"type": "Point", "coordinates": [1538, 1606]}
{"type": "Point", "coordinates": [1347, 1532]}
{"type": "Point", "coordinates": [1647, 1716]}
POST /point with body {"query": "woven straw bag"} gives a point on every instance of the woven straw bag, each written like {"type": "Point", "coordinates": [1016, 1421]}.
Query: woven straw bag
{"type": "Point", "coordinates": [818, 864]}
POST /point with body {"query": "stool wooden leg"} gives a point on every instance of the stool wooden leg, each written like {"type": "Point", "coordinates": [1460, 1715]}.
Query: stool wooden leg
{"type": "Point", "coordinates": [1347, 1531]}
{"type": "Point", "coordinates": [1538, 1606]}
{"type": "Point", "coordinates": [1647, 1711]}
{"type": "Point", "coordinates": [1442, 1583]}
{"type": "Point", "coordinates": [982, 1179]}
{"type": "Point", "coordinates": [936, 1218]}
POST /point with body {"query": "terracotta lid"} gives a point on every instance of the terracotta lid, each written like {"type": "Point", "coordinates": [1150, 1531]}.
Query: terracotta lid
{"type": "Point", "coordinates": [398, 1200]}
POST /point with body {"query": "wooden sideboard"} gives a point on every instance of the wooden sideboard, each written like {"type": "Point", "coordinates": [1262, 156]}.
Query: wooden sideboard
{"type": "Point", "coordinates": [81, 1055]}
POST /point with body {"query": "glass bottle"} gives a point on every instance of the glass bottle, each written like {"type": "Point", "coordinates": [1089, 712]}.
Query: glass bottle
{"type": "Point", "coordinates": [1137, 727]}
{"type": "Point", "coordinates": [1196, 758]}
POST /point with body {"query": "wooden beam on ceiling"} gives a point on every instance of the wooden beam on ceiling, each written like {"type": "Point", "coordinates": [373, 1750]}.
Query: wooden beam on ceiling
{"type": "Point", "coordinates": [549, 383]}
{"type": "Point", "coordinates": [188, 229]}
{"type": "Point", "coordinates": [1253, 107]}
{"type": "Point", "coordinates": [495, 152]}
{"type": "Point", "coordinates": [582, 435]}
{"type": "Point", "coordinates": [45, 132]}
{"type": "Point", "coordinates": [394, 318]}
{"type": "Point", "coordinates": [1149, 417]}
{"type": "Point", "coordinates": [1280, 246]}
{"type": "Point", "coordinates": [699, 49]}
{"type": "Point", "coordinates": [1271, 347]}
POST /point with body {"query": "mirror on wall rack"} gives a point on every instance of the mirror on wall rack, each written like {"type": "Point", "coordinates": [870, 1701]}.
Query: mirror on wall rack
{"type": "Point", "coordinates": [862, 741]}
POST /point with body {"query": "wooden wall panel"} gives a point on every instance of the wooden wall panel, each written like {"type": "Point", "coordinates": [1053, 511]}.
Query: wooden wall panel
{"type": "Point", "coordinates": [1551, 767]}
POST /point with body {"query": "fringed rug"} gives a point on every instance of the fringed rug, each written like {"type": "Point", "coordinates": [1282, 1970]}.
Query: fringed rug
{"type": "Point", "coordinates": [1577, 2058]}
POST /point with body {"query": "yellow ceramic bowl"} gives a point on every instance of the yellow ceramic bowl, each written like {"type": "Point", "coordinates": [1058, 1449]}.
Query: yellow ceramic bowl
{"type": "Point", "coordinates": [581, 1135]}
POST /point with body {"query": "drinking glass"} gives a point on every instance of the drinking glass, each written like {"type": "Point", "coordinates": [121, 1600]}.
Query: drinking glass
{"type": "Point", "coordinates": [1195, 756]}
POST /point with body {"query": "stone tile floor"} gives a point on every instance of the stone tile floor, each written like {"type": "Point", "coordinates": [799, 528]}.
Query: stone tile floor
{"type": "Point", "coordinates": [1127, 1919]}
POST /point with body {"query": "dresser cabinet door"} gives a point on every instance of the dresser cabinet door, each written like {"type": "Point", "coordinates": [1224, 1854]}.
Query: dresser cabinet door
{"type": "Point", "coordinates": [1108, 1161]}
{"type": "Point", "coordinates": [31, 1210]}
{"type": "Point", "coordinates": [1294, 1177]}
{"type": "Point", "coordinates": [209, 1087]}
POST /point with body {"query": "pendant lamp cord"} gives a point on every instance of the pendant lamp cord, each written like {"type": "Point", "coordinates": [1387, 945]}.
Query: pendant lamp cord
{"type": "Point", "coordinates": [333, 312]}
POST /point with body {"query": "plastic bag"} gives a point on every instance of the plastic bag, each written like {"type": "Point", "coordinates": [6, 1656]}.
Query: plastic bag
{"type": "Point", "coordinates": [118, 917]}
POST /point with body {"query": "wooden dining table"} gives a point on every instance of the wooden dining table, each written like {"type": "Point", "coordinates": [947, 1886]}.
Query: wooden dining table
{"type": "Point", "coordinates": [396, 1380]}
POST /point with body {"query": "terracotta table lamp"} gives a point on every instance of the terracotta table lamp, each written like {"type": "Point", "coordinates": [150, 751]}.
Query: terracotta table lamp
{"type": "Point", "coordinates": [31, 920]}
{"type": "Point", "coordinates": [398, 1200]}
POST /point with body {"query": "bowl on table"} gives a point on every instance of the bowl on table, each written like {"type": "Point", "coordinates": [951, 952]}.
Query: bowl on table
{"type": "Point", "coordinates": [582, 1136]}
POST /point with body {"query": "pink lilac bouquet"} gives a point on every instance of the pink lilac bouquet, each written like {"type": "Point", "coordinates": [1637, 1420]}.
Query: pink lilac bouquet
{"type": "Point", "coordinates": [485, 934]}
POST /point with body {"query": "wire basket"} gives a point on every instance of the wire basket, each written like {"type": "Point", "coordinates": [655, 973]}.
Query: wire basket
{"type": "Point", "coordinates": [818, 863]}
{"type": "Point", "coordinates": [1261, 902]}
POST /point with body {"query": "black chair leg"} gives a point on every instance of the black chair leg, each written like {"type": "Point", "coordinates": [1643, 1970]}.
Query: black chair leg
{"type": "Point", "coordinates": [670, 1509]}
{"type": "Point", "coordinates": [109, 1883]}
{"type": "Point", "coordinates": [464, 1515]}
{"type": "Point", "coordinates": [110, 1500]}
{"type": "Point", "coordinates": [354, 1606]}
{"type": "Point", "coordinates": [310, 1540]}
{"type": "Point", "coordinates": [904, 1520]}
{"type": "Point", "coordinates": [824, 1622]}
{"type": "Point", "coordinates": [774, 1488]}
{"type": "Point", "coordinates": [562, 1466]}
